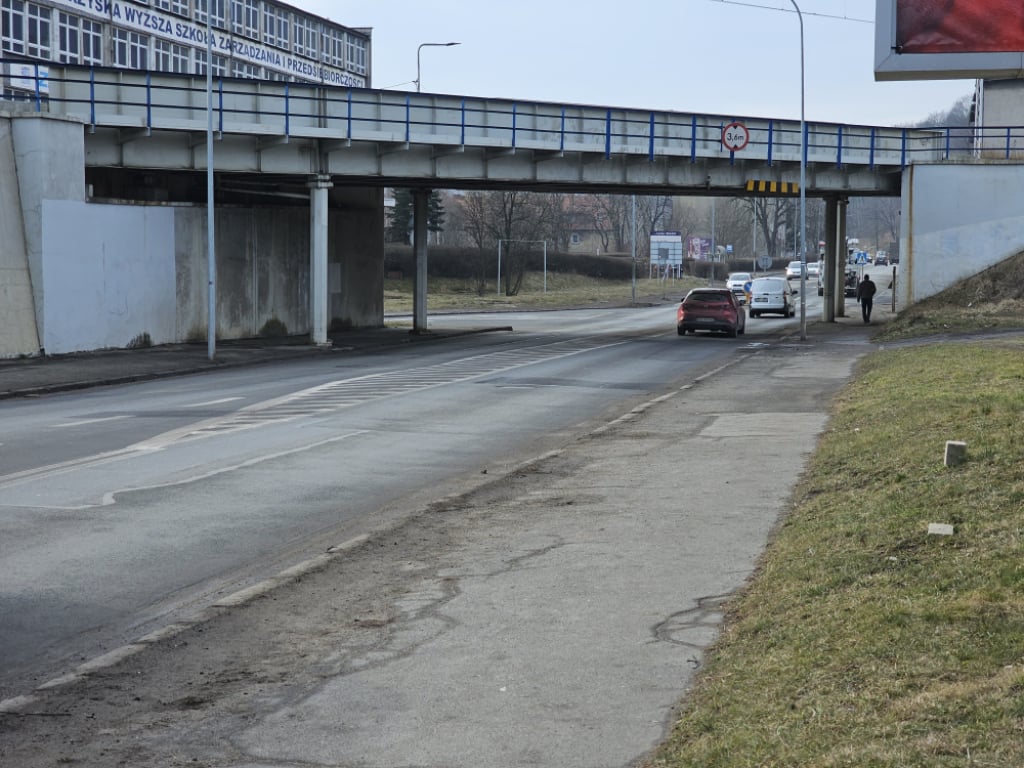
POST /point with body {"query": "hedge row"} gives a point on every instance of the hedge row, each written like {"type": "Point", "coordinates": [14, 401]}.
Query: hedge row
{"type": "Point", "coordinates": [444, 261]}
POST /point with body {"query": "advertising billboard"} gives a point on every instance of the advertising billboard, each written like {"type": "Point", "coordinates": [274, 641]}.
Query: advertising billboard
{"type": "Point", "coordinates": [948, 39]}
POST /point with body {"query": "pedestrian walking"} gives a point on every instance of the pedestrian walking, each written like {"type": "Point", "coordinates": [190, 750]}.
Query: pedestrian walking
{"type": "Point", "coordinates": [866, 295]}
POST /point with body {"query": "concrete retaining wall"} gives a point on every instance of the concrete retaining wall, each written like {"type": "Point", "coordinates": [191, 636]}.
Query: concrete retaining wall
{"type": "Point", "coordinates": [108, 272]}
{"type": "Point", "coordinates": [262, 270]}
{"type": "Point", "coordinates": [957, 220]}
{"type": "Point", "coordinates": [78, 275]}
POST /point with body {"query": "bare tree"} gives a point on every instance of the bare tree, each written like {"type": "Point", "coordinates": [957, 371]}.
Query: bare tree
{"type": "Point", "coordinates": [771, 214]}
{"type": "Point", "coordinates": [517, 220]}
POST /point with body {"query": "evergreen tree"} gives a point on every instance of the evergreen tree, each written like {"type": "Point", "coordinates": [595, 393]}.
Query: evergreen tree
{"type": "Point", "coordinates": [435, 212]}
{"type": "Point", "coordinates": [400, 223]}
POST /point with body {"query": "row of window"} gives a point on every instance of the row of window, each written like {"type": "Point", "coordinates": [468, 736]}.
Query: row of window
{"type": "Point", "coordinates": [27, 30]}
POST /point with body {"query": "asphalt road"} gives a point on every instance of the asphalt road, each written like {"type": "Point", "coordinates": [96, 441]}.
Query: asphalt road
{"type": "Point", "coordinates": [124, 508]}
{"type": "Point", "coordinates": [510, 606]}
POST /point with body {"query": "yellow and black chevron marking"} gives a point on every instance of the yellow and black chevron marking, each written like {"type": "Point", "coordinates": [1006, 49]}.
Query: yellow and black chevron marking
{"type": "Point", "coordinates": [773, 187]}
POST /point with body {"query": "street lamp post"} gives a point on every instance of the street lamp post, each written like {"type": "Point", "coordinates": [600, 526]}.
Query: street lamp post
{"type": "Point", "coordinates": [803, 187]}
{"type": "Point", "coordinates": [211, 256]}
{"type": "Point", "coordinates": [422, 46]}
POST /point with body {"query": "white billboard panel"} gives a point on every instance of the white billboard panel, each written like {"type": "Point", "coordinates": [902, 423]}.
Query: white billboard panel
{"type": "Point", "coordinates": [948, 39]}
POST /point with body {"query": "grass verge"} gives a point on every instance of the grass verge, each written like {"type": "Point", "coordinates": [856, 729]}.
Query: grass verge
{"type": "Point", "coordinates": [562, 291]}
{"type": "Point", "coordinates": [862, 640]}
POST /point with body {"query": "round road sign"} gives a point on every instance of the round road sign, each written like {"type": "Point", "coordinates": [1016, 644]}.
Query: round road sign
{"type": "Point", "coordinates": [735, 136]}
{"type": "Point", "coordinates": [764, 261]}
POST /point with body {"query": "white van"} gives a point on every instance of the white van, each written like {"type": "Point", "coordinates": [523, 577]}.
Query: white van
{"type": "Point", "coordinates": [772, 294]}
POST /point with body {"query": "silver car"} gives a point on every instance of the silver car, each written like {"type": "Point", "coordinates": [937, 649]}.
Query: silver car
{"type": "Point", "coordinates": [736, 283]}
{"type": "Point", "coordinates": [773, 295]}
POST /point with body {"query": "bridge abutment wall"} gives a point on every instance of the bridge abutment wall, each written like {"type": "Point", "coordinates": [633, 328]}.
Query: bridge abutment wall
{"type": "Point", "coordinates": [957, 220]}
{"type": "Point", "coordinates": [78, 275]}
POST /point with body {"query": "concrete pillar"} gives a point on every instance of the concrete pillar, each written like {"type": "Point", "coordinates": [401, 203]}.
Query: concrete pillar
{"type": "Point", "coordinates": [828, 281]}
{"type": "Point", "coordinates": [18, 334]}
{"type": "Point", "coordinates": [318, 259]}
{"type": "Point", "coordinates": [840, 297]}
{"type": "Point", "coordinates": [421, 198]}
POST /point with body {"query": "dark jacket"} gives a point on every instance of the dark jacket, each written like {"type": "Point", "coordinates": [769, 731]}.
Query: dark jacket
{"type": "Point", "coordinates": [866, 289]}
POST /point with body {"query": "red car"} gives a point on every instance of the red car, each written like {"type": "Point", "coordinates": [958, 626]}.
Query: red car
{"type": "Point", "coordinates": [711, 309]}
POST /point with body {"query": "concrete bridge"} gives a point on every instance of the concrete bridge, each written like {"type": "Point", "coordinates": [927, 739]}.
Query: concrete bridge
{"type": "Point", "coordinates": [154, 121]}
{"type": "Point", "coordinates": [123, 137]}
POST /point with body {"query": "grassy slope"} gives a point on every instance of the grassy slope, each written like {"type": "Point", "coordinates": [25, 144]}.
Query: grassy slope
{"type": "Point", "coordinates": [862, 640]}
{"type": "Point", "coordinates": [989, 300]}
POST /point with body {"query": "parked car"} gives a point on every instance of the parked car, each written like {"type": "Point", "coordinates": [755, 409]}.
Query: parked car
{"type": "Point", "coordinates": [774, 295]}
{"type": "Point", "coordinates": [850, 280]}
{"type": "Point", "coordinates": [813, 269]}
{"type": "Point", "coordinates": [793, 270]}
{"type": "Point", "coordinates": [736, 283]}
{"type": "Point", "coordinates": [711, 309]}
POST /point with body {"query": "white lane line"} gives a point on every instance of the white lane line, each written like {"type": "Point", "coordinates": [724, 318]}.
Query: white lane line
{"type": "Point", "coordinates": [83, 422]}
{"type": "Point", "coordinates": [50, 470]}
{"type": "Point", "coordinates": [110, 497]}
{"type": "Point", "coordinates": [214, 402]}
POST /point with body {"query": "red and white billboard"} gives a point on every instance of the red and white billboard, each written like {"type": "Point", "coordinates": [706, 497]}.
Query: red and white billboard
{"type": "Point", "coordinates": [947, 39]}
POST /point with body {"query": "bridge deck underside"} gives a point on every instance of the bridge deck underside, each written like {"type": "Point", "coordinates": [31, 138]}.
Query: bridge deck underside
{"type": "Point", "coordinates": [442, 166]}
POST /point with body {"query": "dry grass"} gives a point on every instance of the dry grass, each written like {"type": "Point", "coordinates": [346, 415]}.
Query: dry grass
{"type": "Point", "coordinates": [862, 640]}
{"type": "Point", "coordinates": [563, 290]}
{"type": "Point", "coordinates": [990, 300]}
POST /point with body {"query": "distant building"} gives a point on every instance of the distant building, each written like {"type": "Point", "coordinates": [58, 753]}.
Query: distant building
{"type": "Point", "coordinates": [257, 39]}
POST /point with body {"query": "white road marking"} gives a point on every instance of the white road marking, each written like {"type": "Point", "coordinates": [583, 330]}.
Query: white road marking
{"type": "Point", "coordinates": [83, 422]}
{"type": "Point", "coordinates": [111, 496]}
{"type": "Point", "coordinates": [215, 402]}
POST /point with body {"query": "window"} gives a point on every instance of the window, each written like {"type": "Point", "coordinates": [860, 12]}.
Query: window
{"type": "Point", "coordinates": [356, 58]}
{"type": "Point", "coordinates": [12, 22]}
{"type": "Point", "coordinates": [305, 37]}
{"type": "Point", "coordinates": [275, 26]}
{"type": "Point", "coordinates": [69, 38]}
{"type": "Point", "coordinates": [79, 40]}
{"type": "Point", "coordinates": [218, 16]}
{"type": "Point", "coordinates": [245, 18]}
{"type": "Point", "coordinates": [179, 7]}
{"type": "Point", "coordinates": [92, 42]}
{"type": "Point", "coordinates": [131, 49]}
{"type": "Point", "coordinates": [243, 69]}
{"type": "Point", "coordinates": [38, 31]}
{"type": "Point", "coordinates": [575, 238]}
{"type": "Point", "coordinates": [220, 64]}
{"type": "Point", "coordinates": [334, 47]}
{"type": "Point", "coordinates": [170, 57]}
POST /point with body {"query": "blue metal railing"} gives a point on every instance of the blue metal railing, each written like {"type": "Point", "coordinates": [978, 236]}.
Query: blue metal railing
{"type": "Point", "coordinates": [156, 101]}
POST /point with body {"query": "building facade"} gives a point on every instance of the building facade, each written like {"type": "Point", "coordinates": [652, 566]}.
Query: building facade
{"type": "Point", "coordinates": [257, 39]}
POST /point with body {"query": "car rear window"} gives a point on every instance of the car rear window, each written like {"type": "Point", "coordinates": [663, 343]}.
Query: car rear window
{"type": "Point", "coordinates": [708, 296]}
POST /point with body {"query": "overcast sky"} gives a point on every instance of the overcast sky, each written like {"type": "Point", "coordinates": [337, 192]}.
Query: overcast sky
{"type": "Point", "coordinates": [739, 58]}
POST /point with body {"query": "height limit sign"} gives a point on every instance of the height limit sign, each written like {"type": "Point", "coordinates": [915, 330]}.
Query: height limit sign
{"type": "Point", "coordinates": [735, 136]}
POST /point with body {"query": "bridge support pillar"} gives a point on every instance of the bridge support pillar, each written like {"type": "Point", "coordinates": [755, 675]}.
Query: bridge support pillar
{"type": "Point", "coordinates": [318, 259]}
{"type": "Point", "coordinates": [840, 273]}
{"type": "Point", "coordinates": [828, 278]}
{"type": "Point", "coordinates": [421, 199]}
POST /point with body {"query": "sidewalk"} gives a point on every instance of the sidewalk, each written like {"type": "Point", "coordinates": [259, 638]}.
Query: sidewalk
{"type": "Point", "coordinates": [550, 616]}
